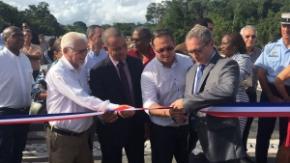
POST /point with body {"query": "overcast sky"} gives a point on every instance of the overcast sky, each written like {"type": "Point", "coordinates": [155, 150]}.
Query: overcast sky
{"type": "Point", "coordinates": [92, 11]}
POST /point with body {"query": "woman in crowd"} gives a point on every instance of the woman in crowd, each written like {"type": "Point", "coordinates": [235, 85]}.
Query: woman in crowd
{"type": "Point", "coordinates": [233, 46]}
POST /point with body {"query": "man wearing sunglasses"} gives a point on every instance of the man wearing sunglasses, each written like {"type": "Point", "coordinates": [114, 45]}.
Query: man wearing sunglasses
{"type": "Point", "coordinates": [212, 80]}
{"type": "Point", "coordinates": [162, 82]}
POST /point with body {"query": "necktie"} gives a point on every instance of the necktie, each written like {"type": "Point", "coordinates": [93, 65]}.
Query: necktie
{"type": "Point", "coordinates": [125, 83]}
{"type": "Point", "coordinates": [198, 76]}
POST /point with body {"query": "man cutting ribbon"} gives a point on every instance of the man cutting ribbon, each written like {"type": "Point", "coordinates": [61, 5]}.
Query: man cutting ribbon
{"type": "Point", "coordinates": [220, 138]}
{"type": "Point", "coordinates": [68, 93]}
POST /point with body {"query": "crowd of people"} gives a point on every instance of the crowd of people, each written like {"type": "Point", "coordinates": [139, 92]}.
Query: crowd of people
{"type": "Point", "coordinates": [100, 72]}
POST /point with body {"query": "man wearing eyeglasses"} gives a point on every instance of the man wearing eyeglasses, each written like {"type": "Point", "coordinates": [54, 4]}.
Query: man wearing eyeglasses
{"type": "Point", "coordinates": [67, 92]}
{"type": "Point", "coordinates": [212, 80]}
{"type": "Point", "coordinates": [249, 34]}
{"type": "Point", "coordinates": [274, 58]}
{"type": "Point", "coordinates": [162, 82]}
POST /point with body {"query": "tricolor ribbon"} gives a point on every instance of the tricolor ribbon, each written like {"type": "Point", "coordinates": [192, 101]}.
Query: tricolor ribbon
{"type": "Point", "coordinates": [42, 118]}
{"type": "Point", "coordinates": [249, 110]}
{"type": "Point", "coordinates": [226, 111]}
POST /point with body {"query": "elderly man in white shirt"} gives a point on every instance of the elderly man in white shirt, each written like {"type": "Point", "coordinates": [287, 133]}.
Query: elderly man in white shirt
{"type": "Point", "coordinates": [162, 82]}
{"type": "Point", "coordinates": [67, 92]}
{"type": "Point", "coordinates": [15, 88]}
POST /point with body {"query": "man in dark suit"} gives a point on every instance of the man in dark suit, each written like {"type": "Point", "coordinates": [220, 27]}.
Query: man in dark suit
{"type": "Point", "coordinates": [117, 78]}
{"type": "Point", "coordinates": [212, 80]}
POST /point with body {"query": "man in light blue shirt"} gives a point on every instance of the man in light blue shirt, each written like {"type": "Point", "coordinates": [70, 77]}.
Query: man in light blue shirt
{"type": "Point", "coordinates": [163, 82]}
{"type": "Point", "coordinates": [96, 51]}
{"type": "Point", "coordinates": [274, 58]}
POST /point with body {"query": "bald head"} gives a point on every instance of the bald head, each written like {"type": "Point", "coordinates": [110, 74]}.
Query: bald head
{"type": "Point", "coordinates": [74, 48]}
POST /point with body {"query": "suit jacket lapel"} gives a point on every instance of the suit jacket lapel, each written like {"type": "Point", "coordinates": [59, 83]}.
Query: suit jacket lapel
{"type": "Point", "coordinates": [208, 68]}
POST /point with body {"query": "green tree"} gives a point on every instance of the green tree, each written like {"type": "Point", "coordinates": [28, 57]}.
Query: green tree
{"type": "Point", "coordinates": [228, 16]}
{"type": "Point", "coordinates": [154, 12]}
{"type": "Point", "coordinates": [9, 15]}
{"type": "Point", "coordinates": [126, 28]}
{"type": "Point", "coordinates": [41, 20]}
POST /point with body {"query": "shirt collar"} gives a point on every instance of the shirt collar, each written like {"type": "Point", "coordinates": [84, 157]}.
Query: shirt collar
{"type": "Point", "coordinates": [68, 64]}
{"type": "Point", "coordinates": [93, 54]}
{"type": "Point", "coordinates": [115, 63]}
{"type": "Point", "coordinates": [11, 53]}
{"type": "Point", "coordinates": [280, 42]}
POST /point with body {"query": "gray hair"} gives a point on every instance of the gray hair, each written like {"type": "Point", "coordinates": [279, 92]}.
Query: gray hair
{"type": "Point", "coordinates": [8, 31]}
{"type": "Point", "coordinates": [110, 32]}
{"type": "Point", "coordinates": [200, 32]}
{"type": "Point", "coordinates": [70, 38]}
{"type": "Point", "coordinates": [248, 27]}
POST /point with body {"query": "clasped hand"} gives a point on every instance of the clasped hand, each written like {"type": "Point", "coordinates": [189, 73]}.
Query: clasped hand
{"type": "Point", "coordinates": [177, 112]}
{"type": "Point", "coordinates": [178, 116]}
{"type": "Point", "coordinates": [111, 116]}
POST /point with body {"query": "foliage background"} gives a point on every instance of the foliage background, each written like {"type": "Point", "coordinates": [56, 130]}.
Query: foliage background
{"type": "Point", "coordinates": [175, 15]}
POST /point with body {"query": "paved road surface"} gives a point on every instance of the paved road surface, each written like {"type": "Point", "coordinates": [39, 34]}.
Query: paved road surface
{"type": "Point", "coordinates": [36, 149]}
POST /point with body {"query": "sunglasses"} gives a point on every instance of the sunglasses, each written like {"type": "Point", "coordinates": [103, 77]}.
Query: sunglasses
{"type": "Point", "coordinates": [252, 36]}
{"type": "Point", "coordinates": [168, 49]}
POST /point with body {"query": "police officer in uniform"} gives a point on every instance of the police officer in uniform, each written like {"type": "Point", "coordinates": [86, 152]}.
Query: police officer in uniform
{"type": "Point", "coordinates": [274, 58]}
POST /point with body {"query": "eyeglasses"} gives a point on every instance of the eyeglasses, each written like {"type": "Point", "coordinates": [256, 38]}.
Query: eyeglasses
{"type": "Point", "coordinates": [82, 51]}
{"type": "Point", "coordinates": [252, 36]}
{"type": "Point", "coordinates": [199, 50]}
{"type": "Point", "coordinates": [168, 49]}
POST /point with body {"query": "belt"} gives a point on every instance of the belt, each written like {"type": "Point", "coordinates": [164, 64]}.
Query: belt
{"type": "Point", "coordinates": [65, 132]}
{"type": "Point", "coordinates": [10, 111]}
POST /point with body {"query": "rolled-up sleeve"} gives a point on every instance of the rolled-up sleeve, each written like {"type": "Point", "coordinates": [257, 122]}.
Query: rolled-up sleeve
{"type": "Point", "coordinates": [149, 91]}
{"type": "Point", "coordinates": [72, 89]}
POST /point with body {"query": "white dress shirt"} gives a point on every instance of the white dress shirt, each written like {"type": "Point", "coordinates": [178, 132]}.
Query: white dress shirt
{"type": "Point", "coordinates": [163, 85]}
{"type": "Point", "coordinates": [68, 93]}
{"type": "Point", "coordinates": [15, 80]}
